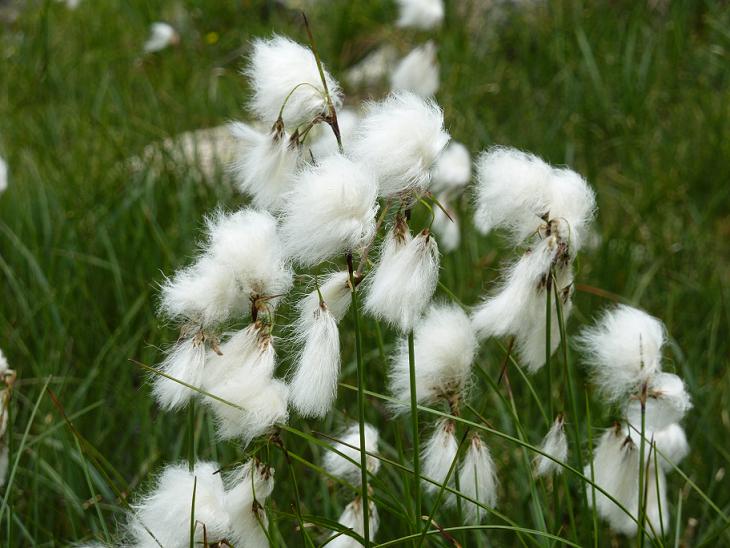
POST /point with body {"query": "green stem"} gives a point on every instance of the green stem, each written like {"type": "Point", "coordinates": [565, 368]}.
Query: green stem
{"type": "Point", "coordinates": [191, 435]}
{"type": "Point", "coordinates": [548, 346]}
{"type": "Point", "coordinates": [360, 406]}
{"type": "Point", "coordinates": [594, 510]}
{"type": "Point", "coordinates": [642, 513]}
{"type": "Point", "coordinates": [414, 428]}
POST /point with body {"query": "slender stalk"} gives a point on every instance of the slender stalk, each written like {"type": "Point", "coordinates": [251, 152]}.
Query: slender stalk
{"type": "Point", "coordinates": [642, 502]}
{"type": "Point", "coordinates": [192, 513]}
{"type": "Point", "coordinates": [414, 428]}
{"type": "Point", "coordinates": [548, 344]}
{"type": "Point", "coordinates": [594, 511]}
{"type": "Point", "coordinates": [656, 485]}
{"type": "Point", "coordinates": [191, 435]}
{"type": "Point", "coordinates": [360, 405]}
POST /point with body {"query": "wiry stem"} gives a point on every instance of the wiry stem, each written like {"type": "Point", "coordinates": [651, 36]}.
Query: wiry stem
{"type": "Point", "coordinates": [414, 428]}
{"type": "Point", "coordinates": [642, 501]}
{"type": "Point", "coordinates": [360, 405]}
{"type": "Point", "coordinates": [191, 435]}
{"type": "Point", "coordinates": [548, 343]}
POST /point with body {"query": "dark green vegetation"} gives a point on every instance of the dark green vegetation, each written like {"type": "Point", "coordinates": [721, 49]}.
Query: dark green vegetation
{"type": "Point", "coordinates": [633, 97]}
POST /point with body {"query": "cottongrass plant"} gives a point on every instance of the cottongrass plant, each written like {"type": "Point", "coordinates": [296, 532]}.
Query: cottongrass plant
{"type": "Point", "coordinates": [336, 199]}
{"type": "Point", "coordinates": [8, 377]}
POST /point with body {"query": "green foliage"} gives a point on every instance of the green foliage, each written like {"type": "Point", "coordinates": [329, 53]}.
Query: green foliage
{"type": "Point", "coordinates": [634, 97]}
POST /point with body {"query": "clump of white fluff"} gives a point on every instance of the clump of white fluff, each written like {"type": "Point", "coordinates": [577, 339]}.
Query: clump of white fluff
{"type": "Point", "coordinates": [420, 14]}
{"type": "Point", "coordinates": [330, 210]}
{"type": "Point", "coordinates": [446, 228]}
{"type": "Point", "coordinates": [623, 351]}
{"type": "Point", "coordinates": [165, 512]}
{"type": "Point", "coordinates": [279, 67]}
{"type": "Point", "coordinates": [520, 192]}
{"type": "Point", "coordinates": [667, 402]}
{"type": "Point", "coordinates": [672, 446]}
{"type": "Point", "coordinates": [452, 170]}
{"type": "Point", "coordinates": [264, 164]}
{"type": "Point", "coordinates": [353, 518]}
{"type": "Point", "coordinates": [554, 444]}
{"type": "Point", "coordinates": [242, 375]}
{"type": "Point", "coordinates": [161, 36]}
{"type": "Point", "coordinates": [347, 467]}
{"type": "Point", "coordinates": [184, 362]}
{"type": "Point", "coordinates": [336, 293]}
{"type": "Point", "coordinates": [251, 484]}
{"type": "Point", "coordinates": [517, 307]}
{"type": "Point", "coordinates": [438, 454]}
{"type": "Point", "coordinates": [313, 386]}
{"type": "Point", "coordinates": [323, 142]}
{"type": "Point", "coordinates": [417, 72]}
{"type": "Point", "coordinates": [3, 175]}
{"type": "Point", "coordinates": [445, 345]}
{"type": "Point", "coordinates": [404, 280]}
{"type": "Point", "coordinates": [242, 259]}
{"type": "Point", "coordinates": [399, 139]}
{"type": "Point", "coordinates": [477, 480]}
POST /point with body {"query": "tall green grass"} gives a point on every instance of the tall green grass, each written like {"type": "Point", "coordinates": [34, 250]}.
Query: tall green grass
{"type": "Point", "coordinates": [636, 98]}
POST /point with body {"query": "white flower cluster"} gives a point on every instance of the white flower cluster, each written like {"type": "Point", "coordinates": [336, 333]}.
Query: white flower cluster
{"type": "Point", "coordinates": [7, 380]}
{"type": "Point", "coordinates": [226, 512]}
{"type": "Point", "coordinates": [623, 354]}
{"type": "Point", "coordinates": [549, 210]}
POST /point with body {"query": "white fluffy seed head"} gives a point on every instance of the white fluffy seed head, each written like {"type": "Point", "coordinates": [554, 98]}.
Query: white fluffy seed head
{"type": "Point", "coordinates": [264, 164]}
{"type": "Point", "coordinates": [165, 511]}
{"type": "Point", "coordinates": [323, 142]}
{"type": "Point", "coordinates": [330, 210]}
{"type": "Point", "coordinates": [667, 403]}
{"type": "Point", "coordinates": [242, 259]}
{"type": "Point", "coordinates": [184, 361]}
{"type": "Point", "coordinates": [4, 365]}
{"type": "Point", "coordinates": [352, 518]}
{"type": "Point", "coordinates": [477, 480]}
{"type": "Point", "coordinates": [555, 444]}
{"type": "Point", "coordinates": [672, 445]}
{"type": "Point", "coordinates": [622, 351]}
{"type": "Point", "coordinates": [518, 306]}
{"type": "Point", "coordinates": [3, 175]}
{"type": "Point", "coordinates": [242, 375]}
{"type": "Point", "coordinates": [313, 386]}
{"type": "Point", "coordinates": [398, 140]}
{"type": "Point", "coordinates": [438, 454]}
{"type": "Point", "coordinates": [452, 170]}
{"type": "Point", "coordinates": [445, 345]}
{"type": "Point", "coordinates": [336, 293]}
{"type": "Point", "coordinates": [420, 14]}
{"type": "Point", "coordinates": [349, 446]}
{"type": "Point", "coordinates": [417, 72]}
{"type": "Point", "coordinates": [515, 191]}
{"type": "Point", "coordinates": [279, 67]}
{"type": "Point", "coordinates": [447, 230]}
{"type": "Point", "coordinates": [161, 36]}
{"type": "Point", "coordinates": [404, 280]}
{"type": "Point", "coordinates": [254, 481]}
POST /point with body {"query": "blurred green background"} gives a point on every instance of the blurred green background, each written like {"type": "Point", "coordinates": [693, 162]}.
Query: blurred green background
{"type": "Point", "coordinates": [632, 94]}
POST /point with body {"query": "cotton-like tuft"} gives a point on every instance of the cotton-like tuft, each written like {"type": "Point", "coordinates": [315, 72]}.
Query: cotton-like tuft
{"type": "Point", "coordinates": [313, 386]}
{"type": "Point", "coordinates": [331, 210]}
{"type": "Point", "coordinates": [3, 462]}
{"type": "Point", "coordinates": [3, 175]}
{"type": "Point", "coordinates": [438, 454]}
{"type": "Point", "coordinates": [477, 480]}
{"type": "Point", "coordinates": [161, 36]}
{"type": "Point", "coordinates": [341, 467]}
{"type": "Point", "coordinates": [667, 403]}
{"type": "Point", "coordinates": [242, 259]}
{"type": "Point", "coordinates": [452, 170]}
{"type": "Point", "coordinates": [622, 351]}
{"type": "Point", "coordinates": [265, 164]}
{"type": "Point", "coordinates": [672, 446]}
{"type": "Point", "coordinates": [184, 362]}
{"type": "Point", "coordinates": [242, 376]}
{"type": "Point", "coordinates": [518, 306]}
{"type": "Point", "coordinates": [404, 280]}
{"type": "Point", "coordinates": [420, 14]}
{"type": "Point", "coordinates": [279, 67]}
{"type": "Point", "coordinates": [165, 512]}
{"type": "Point", "coordinates": [398, 140]}
{"type": "Point", "coordinates": [554, 444]}
{"type": "Point", "coordinates": [323, 141]}
{"type": "Point", "coordinates": [336, 294]}
{"type": "Point", "coordinates": [250, 486]}
{"type": "Point", "coordinates": [352, 518]}
{"type": "Point", "coordinates": [518, 192]}
{"type": "Point", "coordinates": [445, 345]}
{"type": "Point", "coordinates": [417, 72]}
{"type": "Point", "coordinates": [4, 365]}
{"type": "Point", "coordinates": [446, 229]}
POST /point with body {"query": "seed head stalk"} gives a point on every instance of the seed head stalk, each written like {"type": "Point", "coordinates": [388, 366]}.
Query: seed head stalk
{"type": "Point", "coordinates": [414, 428]}
{"type": "Point", "coordinates": [642, 499]}
{"type": "Point", "coordinates": [360, 404]}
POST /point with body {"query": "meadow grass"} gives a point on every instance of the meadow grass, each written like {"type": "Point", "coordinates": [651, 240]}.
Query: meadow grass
{"type": "Point", "coordinates": [634, 97]}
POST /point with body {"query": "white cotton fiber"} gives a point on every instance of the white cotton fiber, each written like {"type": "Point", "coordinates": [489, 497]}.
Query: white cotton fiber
{"type": "Point", "coordinates": [184, 361]}
{"type": "Point", "coordinates": [452, 170]}
{"type": "Point", "coordinates": [348, 468]}
{"type": "Point", "coordinates": [417, 72]}
{"type": "Point", "coordinates": [420, 14]}
{"type": "Point", "coordinates": [437, 456]}
{"type": "Point", "coordinates": [478, 481]}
